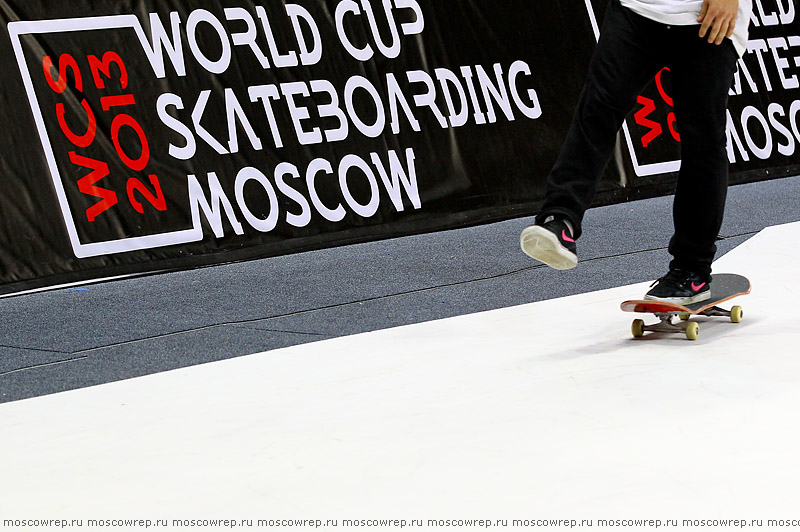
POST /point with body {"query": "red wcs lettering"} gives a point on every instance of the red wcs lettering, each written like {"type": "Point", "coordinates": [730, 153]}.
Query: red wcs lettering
{"type": "Point", "coordinates": [86, 184]}
{"type": "Point", "coordinates": [671, 121]}
{"type": "Point", "coordinates": [655, 129]}
{"type": "Point", "coordinates": [648, 106]}
{"type": "Point", "coordinates": [65, 62]}
{"type": "Point", "coordinates": [82, 141]}
{"type": "Point", "coordinates": [660, 86]}
{"type": "Point", "coordinates": [668, 100]}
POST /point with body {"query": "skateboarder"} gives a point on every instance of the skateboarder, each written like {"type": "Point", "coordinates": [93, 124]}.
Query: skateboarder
{"type": "Point", "coordinates": [700, 42]}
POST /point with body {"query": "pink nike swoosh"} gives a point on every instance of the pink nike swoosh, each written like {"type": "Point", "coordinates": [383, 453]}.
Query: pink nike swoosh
{"type": "Point", "coordinates": [565, 237]}
{"type": "Point", "coordinates": [697, 287]}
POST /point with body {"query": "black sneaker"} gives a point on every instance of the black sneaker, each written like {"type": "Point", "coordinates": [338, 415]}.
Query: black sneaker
{"type": "Point", "coordinates": [681, 287]}
{"type": "Point", "coordinates": [551, 243]}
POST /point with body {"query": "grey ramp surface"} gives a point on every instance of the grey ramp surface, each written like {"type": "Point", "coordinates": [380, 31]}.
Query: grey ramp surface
{"type": "Point", "coordinates": [139, 358]}
{"type": "Point", "coordinates": [64, 339]}
{"type": "Point", "coordinates": [208, 344]}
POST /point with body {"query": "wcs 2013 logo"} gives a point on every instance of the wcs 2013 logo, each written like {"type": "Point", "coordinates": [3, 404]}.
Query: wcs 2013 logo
{"type": "Point", "coordinates": [118, 106]}
{"type": "Point", "coordinates": [93, 126]}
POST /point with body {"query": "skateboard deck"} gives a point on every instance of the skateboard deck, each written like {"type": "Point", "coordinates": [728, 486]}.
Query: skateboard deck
{"type": "Point", "coordinates": [724, 286]}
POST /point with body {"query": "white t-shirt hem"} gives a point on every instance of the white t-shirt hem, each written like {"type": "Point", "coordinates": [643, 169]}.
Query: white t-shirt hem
{"type": "Point", "coordinates": [662, 15]}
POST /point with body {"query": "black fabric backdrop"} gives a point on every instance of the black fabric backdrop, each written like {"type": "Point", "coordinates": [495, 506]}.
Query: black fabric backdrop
{"type": "Point", "coordinates": [142, 136]}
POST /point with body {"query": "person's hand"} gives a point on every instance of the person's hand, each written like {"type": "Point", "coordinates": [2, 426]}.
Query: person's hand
{"type": "Point", "coordinates": [718, 19]}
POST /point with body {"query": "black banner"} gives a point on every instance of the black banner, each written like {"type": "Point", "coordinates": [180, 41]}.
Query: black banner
{"type": "Point", "coordinates": [166, 136]}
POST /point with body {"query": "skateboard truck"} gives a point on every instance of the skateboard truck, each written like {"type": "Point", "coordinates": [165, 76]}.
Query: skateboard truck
{"type": "Point", "coordinates": [690, 328]}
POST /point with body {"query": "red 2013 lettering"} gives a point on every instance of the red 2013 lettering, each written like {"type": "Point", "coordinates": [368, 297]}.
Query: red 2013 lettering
{"type": "Point", "coordinates": [97, 67]}
{"type": "Point", "coordinates": [157, 200]}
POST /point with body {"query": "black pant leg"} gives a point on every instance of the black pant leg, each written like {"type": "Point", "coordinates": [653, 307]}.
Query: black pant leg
{"type": "Point", "coordinates": [702, 75]}
{"type": "Point", "coordinates": [628, 54]}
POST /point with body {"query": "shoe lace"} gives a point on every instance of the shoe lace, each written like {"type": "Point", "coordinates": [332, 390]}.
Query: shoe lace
{"type": "Point", "coordinates": [673, 275]}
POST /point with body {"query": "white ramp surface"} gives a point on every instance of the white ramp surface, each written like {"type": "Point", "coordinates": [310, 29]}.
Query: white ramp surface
{"type": "Point", "coordinates": [548, 410]}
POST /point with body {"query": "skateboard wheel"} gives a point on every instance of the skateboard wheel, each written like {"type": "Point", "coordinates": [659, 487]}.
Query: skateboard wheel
{"type": "Point", "coordinates": [737, 314]}
{"type": "Point", "coordinates": [637, 328]}
{"type": "Point", "coordinates": [692, 330]}
{"type": "Point", "coordinates": [683, 317]}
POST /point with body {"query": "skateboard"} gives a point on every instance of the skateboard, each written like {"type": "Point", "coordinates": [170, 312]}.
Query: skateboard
{"type": "Point", "coordinates": [724, 286]}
